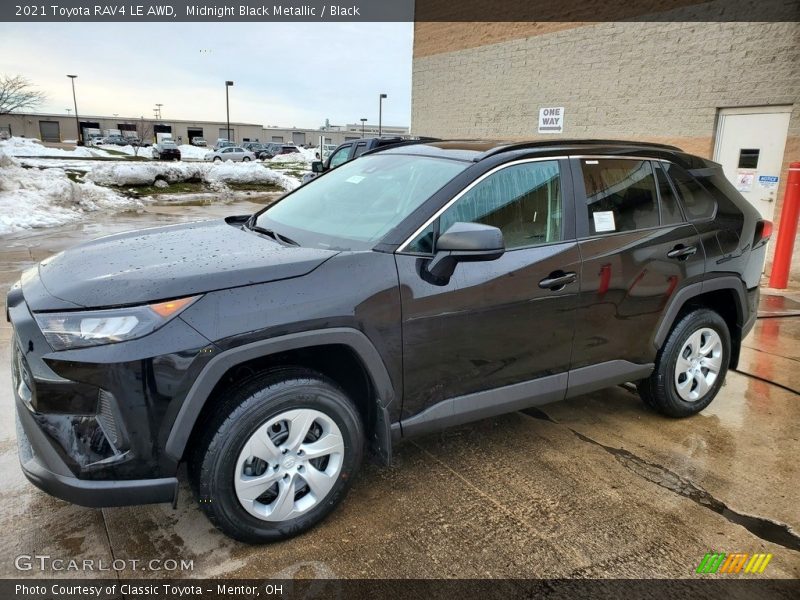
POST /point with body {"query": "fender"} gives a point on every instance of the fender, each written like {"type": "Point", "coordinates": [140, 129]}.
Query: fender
{"type": "Point", "coordinates": [219, 365]}
{"type": "Point", "coordinates": [692, 290]}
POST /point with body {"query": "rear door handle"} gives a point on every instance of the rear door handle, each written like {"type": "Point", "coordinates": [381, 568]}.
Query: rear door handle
{"type": "Point", "coordinates": [682, 252]}
{"type": "Point", "coordinates": [557, 280]}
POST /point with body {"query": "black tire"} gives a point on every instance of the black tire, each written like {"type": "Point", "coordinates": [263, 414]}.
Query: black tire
{"type": "Point", "coordinates": [246, 159]}
{"type": "Point", "coordinates": [213, 458]}
{"type": "Point", "coordinates": [217, 159]}
{"type": "Point", "coordinates": [659, 391]}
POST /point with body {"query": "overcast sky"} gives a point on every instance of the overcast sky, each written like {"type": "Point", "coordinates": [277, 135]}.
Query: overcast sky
{"type": "Point", "coordinates": [288, 74]}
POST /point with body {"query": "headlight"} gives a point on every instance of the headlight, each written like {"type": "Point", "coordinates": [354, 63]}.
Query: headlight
{"type": "Point", "coordinates": [96, 327]}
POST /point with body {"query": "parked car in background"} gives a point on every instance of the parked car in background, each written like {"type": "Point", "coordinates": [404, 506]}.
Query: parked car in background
{"type": "Point", "coordinates": [94, 139]}
{"type": "Point", "coordinates": [133, 141]}
{"type": "Point", "coordinates": [261, 151]}
{"type": "Point", "coordinates": [198, 141]}
{"type": "Point", "coordinates": [223, 144]}
{"type": "Point", "coordinates": [355, 148]}
{"type": "Point", "coordinates": [166, 149]}
{"type": "Point", "coordinates": [115, 140]}
{"type": "Point", "coordinates": [4, 135]}
{"type": "Point", "coordinates": [287, 149]}
{"type": "Point", "coordinates": [234, 153]}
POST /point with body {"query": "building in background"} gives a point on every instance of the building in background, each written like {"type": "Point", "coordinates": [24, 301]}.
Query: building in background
{"type": "Point", "coordinates": [726, 91]}
{"type": "Point", "coordinates": [61, 127]}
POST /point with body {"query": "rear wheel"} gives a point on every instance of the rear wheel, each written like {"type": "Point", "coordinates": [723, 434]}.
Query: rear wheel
{"type": "Point", "coordinates": [691, 366]}
{"type": "Point", "coordinates": [278, 455]}
{"type": "Point", "coordinates": [246, 159]}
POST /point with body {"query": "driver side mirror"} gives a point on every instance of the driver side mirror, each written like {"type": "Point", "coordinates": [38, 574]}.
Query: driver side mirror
{"type": "Point", "coordinates": [317, 167]}
{"type": "Point", "coordinates": [465, 242]}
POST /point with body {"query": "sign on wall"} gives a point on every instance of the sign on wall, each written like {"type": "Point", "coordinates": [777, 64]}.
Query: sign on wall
{"type": "Point", "coordinates": [551, 120]}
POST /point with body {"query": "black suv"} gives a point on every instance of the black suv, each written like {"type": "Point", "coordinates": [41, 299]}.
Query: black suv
{"type": "Point", "coordinates": [414, 288]}
{"type": "Point", "coordinates": [355, 148]}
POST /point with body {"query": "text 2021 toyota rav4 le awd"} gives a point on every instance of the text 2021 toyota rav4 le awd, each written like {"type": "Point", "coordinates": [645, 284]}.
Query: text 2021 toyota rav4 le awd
{"type": "Point", "coordinates": [411, 289]}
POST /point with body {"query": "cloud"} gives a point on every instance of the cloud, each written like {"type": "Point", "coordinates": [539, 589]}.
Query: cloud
{"type": "Point", "coordinates": [289, 74]}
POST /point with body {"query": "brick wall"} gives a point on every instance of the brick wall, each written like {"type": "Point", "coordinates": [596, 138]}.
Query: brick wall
{"type": "Point", "coordinates": [652, 81]}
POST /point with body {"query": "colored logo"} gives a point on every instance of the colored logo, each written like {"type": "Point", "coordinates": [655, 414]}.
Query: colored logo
{"type": "Point", "coordinates": [720, 562]}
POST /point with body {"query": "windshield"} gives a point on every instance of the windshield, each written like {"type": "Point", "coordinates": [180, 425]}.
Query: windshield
{"type": "Point", "coordinates": [356, 204]}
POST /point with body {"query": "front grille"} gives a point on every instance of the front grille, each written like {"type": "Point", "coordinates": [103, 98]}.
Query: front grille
{"type": "Point", "coordinates": [105, 415]}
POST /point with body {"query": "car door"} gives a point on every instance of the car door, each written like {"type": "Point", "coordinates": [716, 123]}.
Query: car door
{"type": "Point", "coordinates": [498, 335]}
{"type": "Point", "coordinates": [637, 250]}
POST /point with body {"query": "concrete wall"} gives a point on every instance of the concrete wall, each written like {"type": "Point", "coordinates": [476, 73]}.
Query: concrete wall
{"type": "Point", "coordinates": [661, 82]}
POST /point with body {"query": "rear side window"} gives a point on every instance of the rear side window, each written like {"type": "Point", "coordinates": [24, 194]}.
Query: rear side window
{"type": "Point", "coordinates": [360, 149]}
{"type": "Point", "coordinates": [697, 202]}
{"type": "Point", "coordinates": [620, 195]}
{"type": "Point", "coordinates": [523, 201]}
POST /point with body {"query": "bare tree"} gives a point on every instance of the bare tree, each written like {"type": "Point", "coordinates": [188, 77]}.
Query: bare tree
{"type": "Point", "coordinates": [17, 93]}
{"type": "Point", "coordinates": [144, 130]}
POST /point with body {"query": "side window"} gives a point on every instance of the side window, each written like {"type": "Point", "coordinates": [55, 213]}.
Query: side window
{"type": "Point", "coordinates": [670, 210]}
{"type": "Point", "coordinates": [697, 203]}
{"type": "Point", "coordinates": [339, 157]}
{"type": "Point", "coordinates": [360, 149]}
{"type": "Point", "coordinates": [523, 201]}
{"type": "Point", "coordinates": [621, 195]}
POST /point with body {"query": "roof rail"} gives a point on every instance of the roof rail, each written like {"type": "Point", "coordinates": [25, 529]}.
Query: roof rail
{"type": "Point", "coordinates": [572, 142]}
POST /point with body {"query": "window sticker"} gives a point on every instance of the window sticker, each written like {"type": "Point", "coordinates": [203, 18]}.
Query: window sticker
{"type": "Point", "coordinates": [604, 221]}
{"type": "Point", "coordinates": [355, 179]}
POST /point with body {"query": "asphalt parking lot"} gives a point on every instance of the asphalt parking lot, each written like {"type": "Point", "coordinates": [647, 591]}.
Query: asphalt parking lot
{"type": "Point", "coordinates": [597, 486]}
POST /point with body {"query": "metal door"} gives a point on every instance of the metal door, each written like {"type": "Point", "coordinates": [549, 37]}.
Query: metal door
{"type": "Point", "coordinates": [750, 146]}
{"type": "Point", "coordinates": [50, 131]}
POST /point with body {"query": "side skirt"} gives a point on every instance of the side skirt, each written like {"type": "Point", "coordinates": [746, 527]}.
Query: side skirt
{"type": "Point", "coordinates": [510, 398]}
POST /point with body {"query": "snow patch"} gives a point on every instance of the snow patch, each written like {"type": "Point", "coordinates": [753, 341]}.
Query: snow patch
{"type": "Point", "coordinates": [17, 146]}
{"type": "Point", "coordinates": [306, 155]}
{"type": "Point", "coordinates": [47, 197]}
{"type": "Point", "coordinates": [193, 152]}
{"type": "Point", "coordinates": [124, 174]}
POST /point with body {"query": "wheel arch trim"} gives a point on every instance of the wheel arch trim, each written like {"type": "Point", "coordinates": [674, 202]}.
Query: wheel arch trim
{"type": "Point", "coordinates": [686, 293]}
{"type": "Point", "coordinates": [211, 374]}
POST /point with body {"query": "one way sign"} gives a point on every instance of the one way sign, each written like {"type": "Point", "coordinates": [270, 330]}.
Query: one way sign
{"type": "Point", "coordinates": [551, 120]}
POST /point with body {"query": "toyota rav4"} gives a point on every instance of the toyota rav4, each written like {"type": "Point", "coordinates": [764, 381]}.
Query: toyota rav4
{"type": "Point", "coordinates": [411, 289]}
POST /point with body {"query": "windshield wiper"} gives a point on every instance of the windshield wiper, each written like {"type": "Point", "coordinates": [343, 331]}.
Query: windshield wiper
{"type": "Point", "coordinates": [273, 234]}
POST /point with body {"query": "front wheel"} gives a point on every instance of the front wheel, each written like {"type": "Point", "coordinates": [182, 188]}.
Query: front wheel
{"type": "Point", "coordinates": [691, 366]}
{"type": "Point", "coordinates": [217, 159]}
{"type": "Point", "coordinates": [277, 456]}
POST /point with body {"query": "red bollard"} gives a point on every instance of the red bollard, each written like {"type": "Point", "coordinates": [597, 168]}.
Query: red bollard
{"type": "Point", "coordinates": [782, 262]}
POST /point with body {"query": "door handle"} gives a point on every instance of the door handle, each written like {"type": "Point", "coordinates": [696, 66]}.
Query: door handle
{"type": "Point", "coordinates": [682, 252]}
{"type": "Point", "coordinates": [557, 280]}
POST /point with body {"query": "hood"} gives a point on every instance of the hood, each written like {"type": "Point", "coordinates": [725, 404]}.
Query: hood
{"type": "Point", "coordinates": [166, 262]}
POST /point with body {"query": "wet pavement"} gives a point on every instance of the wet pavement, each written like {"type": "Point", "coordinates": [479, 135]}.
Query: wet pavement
{"type": "Point", "coordinates": [597, 486]}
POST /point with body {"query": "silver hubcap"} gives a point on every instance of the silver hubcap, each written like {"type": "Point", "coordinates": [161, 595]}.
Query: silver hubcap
{"type": "Point", "coordinates": [289, 464]}
{"type": "Point", "coordinates": [698, 364]}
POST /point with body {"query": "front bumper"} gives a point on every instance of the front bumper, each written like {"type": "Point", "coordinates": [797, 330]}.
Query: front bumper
{"type": "Point", "coordinates": [91, 422]}
{"type": "Point", "coordinates": [44, 468]}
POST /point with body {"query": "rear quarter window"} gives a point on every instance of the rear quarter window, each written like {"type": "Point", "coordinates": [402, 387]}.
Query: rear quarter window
{"type": "Point", "coordinates": [698, 204]}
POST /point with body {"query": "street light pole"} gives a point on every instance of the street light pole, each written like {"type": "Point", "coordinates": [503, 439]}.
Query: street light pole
{"type": "Point", "coordinates": [75, 102]}
{"type": "Point", "coordinates": [380, 113]}
{"type": "Point", "coordinates": [362, 126]}
{"type": "Point", "coordinates": [228, 110]}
